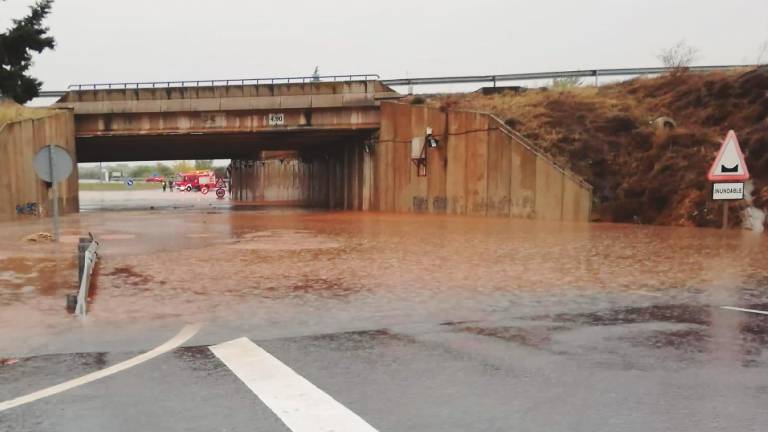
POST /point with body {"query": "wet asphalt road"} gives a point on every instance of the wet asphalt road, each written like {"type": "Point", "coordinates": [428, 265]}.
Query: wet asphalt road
{"type": "Point", "coordinates": [661, 367]}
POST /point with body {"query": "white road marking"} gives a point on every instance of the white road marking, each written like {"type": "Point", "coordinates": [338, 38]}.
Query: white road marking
{"type": "Point", "coordinates": [183, 336]}
{"type": "Point", "coordinates": [300, 404]}
{"type": "Point", "coordinates": [745, 310]}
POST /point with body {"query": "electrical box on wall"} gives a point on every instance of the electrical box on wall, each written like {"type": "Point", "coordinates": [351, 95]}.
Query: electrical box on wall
{"type": "Point", "coordinates": [417, 148]}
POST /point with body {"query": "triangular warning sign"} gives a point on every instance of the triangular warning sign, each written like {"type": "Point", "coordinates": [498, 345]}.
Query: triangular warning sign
{"type": "Point", "coordinates": [729, 163]}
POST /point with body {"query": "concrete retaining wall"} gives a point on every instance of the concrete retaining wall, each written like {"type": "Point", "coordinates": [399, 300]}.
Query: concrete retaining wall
{"type": "Point", "coordinates": [24, 195]}
{"type": "Point", "coordinates": [479, 168]}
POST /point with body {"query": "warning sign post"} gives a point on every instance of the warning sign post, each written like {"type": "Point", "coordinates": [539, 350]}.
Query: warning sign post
{"type": "Point", "coordinates": [728, 173]}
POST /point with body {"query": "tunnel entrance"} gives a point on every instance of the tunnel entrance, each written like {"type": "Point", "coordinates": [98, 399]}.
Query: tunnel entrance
{"type": "Point", "coordinates": [299, 168]}
{"type": "Point", "coordinates": [332, 176]}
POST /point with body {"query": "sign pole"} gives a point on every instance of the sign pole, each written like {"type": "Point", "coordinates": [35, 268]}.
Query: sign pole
{"type": "Point", "coordinates": [725, 214]}
{"type": "Point", "coordinates": [55, 194]}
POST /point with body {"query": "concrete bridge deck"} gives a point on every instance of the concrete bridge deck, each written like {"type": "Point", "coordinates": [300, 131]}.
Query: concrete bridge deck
{"type": "Point", "coordinates": [221, 121]}
{"type": "Point", "coordinates": [227, 98]}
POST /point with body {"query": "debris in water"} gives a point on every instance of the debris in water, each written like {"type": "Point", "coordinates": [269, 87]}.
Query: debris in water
{"type": "Point", "coordinates": [753, 217]}
{"type": "Point", "coordinates": [39, 237]}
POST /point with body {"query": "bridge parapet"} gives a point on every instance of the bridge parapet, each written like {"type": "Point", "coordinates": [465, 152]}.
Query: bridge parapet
{"type": "Point", "coordinates": [224, 98]}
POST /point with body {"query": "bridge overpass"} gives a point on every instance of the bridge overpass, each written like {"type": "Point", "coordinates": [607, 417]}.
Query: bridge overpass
{"type": "Point", "coordinates": [346, 143]}
{"type": "Point", "coordinates": [235, 121]}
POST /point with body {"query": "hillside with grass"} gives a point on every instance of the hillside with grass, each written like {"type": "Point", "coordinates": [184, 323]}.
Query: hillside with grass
{"type": "Point", "coordinates": [644, 144]}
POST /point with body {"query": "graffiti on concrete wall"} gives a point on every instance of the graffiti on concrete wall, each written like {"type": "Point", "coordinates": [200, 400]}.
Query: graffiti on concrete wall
{"type": "Point", "coordinates": [440, 204]}
{"type": "Point", "coordinates": [420, 204]}
{"type": "Point", "coordinates": [27, 209]}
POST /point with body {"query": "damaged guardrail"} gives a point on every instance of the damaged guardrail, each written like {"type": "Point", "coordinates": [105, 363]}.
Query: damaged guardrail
{"type": "Point", "coordinates": [87, 256]}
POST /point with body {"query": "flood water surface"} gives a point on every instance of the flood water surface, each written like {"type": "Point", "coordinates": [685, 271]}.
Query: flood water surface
{"type": "Point", "coordinates": [295, 265]}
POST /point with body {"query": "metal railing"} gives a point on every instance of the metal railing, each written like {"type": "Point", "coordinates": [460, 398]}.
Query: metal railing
{"type": "Point", "coordinates": [224, 82]}
{"type": "Point", "coordinates": [596, 73]}
{"type": "Point", "coordinates": [539, 151]}
{"type": "Point", "coordinates": [586, 73]}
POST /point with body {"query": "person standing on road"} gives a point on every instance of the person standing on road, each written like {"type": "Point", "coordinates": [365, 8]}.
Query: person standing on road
{"type": "Point", "coordinates": [164, 186]}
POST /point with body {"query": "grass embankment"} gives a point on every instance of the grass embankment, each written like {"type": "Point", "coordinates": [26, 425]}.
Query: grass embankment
{"type": "Point", "coordinates": [643, 173]}
{"type": "Point", "coordinates": [118, 186]}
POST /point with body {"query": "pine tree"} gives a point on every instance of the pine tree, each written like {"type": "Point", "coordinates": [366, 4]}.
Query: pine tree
{"type": "Point", "coordinates": [25, 36]}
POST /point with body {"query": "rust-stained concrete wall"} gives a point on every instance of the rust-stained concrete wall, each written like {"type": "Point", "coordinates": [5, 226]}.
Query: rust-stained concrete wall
{"type": "Point", "coordinates": [479, 168]}
{"type": "Point", "coordinates": [335, 178]}
{"type": "Point", "coordinates": [22, 190]}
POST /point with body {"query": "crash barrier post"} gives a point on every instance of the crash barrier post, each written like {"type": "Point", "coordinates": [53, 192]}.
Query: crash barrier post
{"type": "Point", "coordinates": [86, 248]}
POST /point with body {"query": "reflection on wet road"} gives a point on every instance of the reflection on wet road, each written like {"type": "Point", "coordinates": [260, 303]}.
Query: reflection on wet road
{"type": "Point", "coordinates": [454, 323]}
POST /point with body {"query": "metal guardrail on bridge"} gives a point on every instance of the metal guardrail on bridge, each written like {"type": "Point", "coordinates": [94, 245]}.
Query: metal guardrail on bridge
{"type": "Point", "coordinates": [586, 73]}
{"type": "Point", "coordinates": [552, 75]}
{"type": "Point", "coordinates": [224, 82]}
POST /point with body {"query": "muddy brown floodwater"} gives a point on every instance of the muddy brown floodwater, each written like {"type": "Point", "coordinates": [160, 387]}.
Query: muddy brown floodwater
{"type": "Point", "coordinates": [207, 261]}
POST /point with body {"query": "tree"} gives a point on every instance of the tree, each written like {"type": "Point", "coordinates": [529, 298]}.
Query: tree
{"type": "Point", "coordinates": [141, 171]}
{"type": "Point", "coordinates": [17, 43]}
{"type": "Point", "coordinates": [164, 170]}
{"type": "Point", "coordinates": [204, 164]}
{"type": "Point", "coordinates": [565, 83]}
{"type": "Point", "coordinates": [181, 166]}
{"type": "Point", "coordinates": [91, 173]}
{"type": "Point", "coordinates": [679, 56]}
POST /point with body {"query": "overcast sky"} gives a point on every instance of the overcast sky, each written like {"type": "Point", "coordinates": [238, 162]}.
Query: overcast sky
{"type": "Point", "coordinates": [142, 40]}
{"type": "Point", "coordinates": [161, 40]}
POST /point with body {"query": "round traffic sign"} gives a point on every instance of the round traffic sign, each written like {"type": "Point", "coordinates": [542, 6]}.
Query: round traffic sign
{"type": "Point", "coordinates": [53, 156]}
{"type": "Point", "coordinates": [220, 192]}
{"type": "Point", "coordinates": [204, 190]}
{"type": "Point", "coordinates": [129, 182]}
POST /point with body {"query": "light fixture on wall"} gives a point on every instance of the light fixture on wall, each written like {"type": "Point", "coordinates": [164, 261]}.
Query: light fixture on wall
{"type": "Point", "coordinates": [432, 142]}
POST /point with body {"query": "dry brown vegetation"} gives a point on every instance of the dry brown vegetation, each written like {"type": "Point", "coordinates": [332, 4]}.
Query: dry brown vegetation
{"type": "Point", "coordinates": [642, 173]}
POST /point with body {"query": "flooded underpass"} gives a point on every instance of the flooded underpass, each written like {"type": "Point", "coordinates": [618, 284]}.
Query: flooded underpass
{"type": "Point", "coordinates": [456, 323]}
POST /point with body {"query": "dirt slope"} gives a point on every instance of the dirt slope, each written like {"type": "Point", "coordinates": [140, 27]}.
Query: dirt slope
{"type": "Point", "coordinates": [641, 172]}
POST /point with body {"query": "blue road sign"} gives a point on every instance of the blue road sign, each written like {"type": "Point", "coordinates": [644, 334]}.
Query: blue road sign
{"type": "Point", "coordinates": [129, 182]}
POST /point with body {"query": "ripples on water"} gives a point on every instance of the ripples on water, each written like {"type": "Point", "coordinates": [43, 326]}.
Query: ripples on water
{"type": "Point", "coordinates": [197, 262]}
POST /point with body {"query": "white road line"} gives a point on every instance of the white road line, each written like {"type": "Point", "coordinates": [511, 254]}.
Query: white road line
{"type": "Point", "coordinates": [745, 310]}
{"type": "Point", "coordinates": [300, 404]}
{"type": "Point", "coordinates": [183, 336]}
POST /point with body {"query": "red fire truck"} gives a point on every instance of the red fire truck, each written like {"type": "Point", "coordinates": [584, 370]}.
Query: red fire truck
{"type": "Point", "coordinates": [202, 181]}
